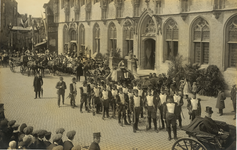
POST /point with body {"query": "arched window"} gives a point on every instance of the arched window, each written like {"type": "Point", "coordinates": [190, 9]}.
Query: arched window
{"type": "Point", "coordinates": [128, 31]}
{"type": "Point", "coordinates": [112, 37]}
{"type": "Point", "coordinates": [82, 38]}
{"type": "Point", "coordinates": [96, 33]}
{"type": "Point", "coordinates": [200, 41]}
{"type": "Point", "coordinates": [73, 35]}
{"type": "Point", "coordinates": [171, 39]}
{"type": "Point", "coordinates": [231, 43]}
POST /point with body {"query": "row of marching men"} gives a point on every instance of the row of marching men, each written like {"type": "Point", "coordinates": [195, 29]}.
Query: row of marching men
{"type": "Point", "coordinates": [131, 102]}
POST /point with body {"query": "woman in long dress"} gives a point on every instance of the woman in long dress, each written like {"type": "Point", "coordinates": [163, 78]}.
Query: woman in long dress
{"type": "Point", "coordinates": [187, 88]}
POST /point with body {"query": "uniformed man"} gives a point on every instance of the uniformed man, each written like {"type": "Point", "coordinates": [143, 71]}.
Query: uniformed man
{"type": "Point", "coordinates": [105, 97]}
{"type": "Point", "coordinates": [96, 98]}
{"type": "Point", "coordinates": [122, 103]}
{"type": "Point", "coordinates": [169, 114]}
{"type": "Point", "coordinates": [151, 104]}
{"type": "Point", "coordinates": [68, 145]}
{"type": "Point", "coordinates": [178, 98]}
{"type": "Point", "coordinates": [141, 94]}
{"type": "Point", "coordinates": [73, 92]}
{"type": "Point", "coordinates": [60, 131]}
{"type": "Point", "coordinates": [56, 140]}
{"type": "Point", "coordinates": [96, 141]}
{"type": "Point", "coordinates": [47, 137]}
{"type": "Point", "coordinates": [85, 90]}
{"type": "Point", "coordinates": [39, 143]}
{"type": "Point", "coordinates": [136, 105]}
{"type": "Point", "coordinates": [162, 101]}
{"type": "Point", "coordinates": [114, 93]}
{"type": "Point", "coordinates": [130, 109]}
{"type": "Point", "coordinates": [194, 106]}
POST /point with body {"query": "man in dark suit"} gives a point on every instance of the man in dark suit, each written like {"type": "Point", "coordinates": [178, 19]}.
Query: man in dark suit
{"type": "Point", "coordinates": [61, 86]}
{"type": "Point", "coordinates": [73, 92]}
{"type": "Point", "coordinates": [85, 91]}
{"type": "Point", "coordinates": [95, 144]}
{"type": "Point", "coordinates": [68, 145]}
{"type": "Point", "coordinates": [38, 82]}
{"type": "Point", "coordinates": [79, 71]}
{"type": "Point", "coordinates": [85, 70]}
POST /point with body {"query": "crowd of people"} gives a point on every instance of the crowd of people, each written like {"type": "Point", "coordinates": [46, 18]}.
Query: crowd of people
{"type": "Point", "coordinates": [15, 136]}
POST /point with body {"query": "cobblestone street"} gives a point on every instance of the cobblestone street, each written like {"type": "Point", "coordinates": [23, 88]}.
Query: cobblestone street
{"type": "Point", "coordinates": [17, 94]}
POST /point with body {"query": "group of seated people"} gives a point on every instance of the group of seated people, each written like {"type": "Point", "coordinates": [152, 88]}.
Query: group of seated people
{"type": "Point", "coordinates": [15, 136]}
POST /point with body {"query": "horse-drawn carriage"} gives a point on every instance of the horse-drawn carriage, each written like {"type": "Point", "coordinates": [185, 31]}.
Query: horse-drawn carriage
{"type": "Point", "coordinates": [200, 140]}
{"type": "Point", "coordinates": [18, 61]}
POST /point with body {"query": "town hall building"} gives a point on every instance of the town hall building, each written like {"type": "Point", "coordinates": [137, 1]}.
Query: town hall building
{"type": "Point", "coordinates": [202, 31]}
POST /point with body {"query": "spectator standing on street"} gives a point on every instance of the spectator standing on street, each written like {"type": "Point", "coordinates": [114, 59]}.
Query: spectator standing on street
{"type": "Point", "coordinates": [38, 82]}
{"type": "Point", "coordinates": [95, 144]}
{"type": "Point", "coordinates": [73, 92]}
{"type": "Point", "coordinates": [79, 71]}
{"type": "Point", "coordinates": [220, 103]}
{"type": "Point", "coordinates": [61, 86]}
{"type": "Point", "coordinates": [233, 98]}
{"type": "Point", "coordinates": [85, 70]}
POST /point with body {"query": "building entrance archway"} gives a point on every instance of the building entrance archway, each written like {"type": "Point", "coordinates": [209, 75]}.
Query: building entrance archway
{"type": "Point", "coordinates": [149, 54]}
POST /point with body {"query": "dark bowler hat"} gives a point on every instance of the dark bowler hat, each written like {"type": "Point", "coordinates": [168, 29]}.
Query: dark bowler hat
{"type": "Point", "coordinates": [209, 110]}
{"type": "Point", "coordinates": [96, 135]}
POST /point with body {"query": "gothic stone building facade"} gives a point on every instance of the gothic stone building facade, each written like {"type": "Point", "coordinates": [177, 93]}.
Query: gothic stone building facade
{"type": "Point", "coordinates": [202, 31]}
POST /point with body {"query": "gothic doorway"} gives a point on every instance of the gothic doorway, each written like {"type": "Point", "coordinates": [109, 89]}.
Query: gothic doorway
{"type": "Point", "coordinates": [149, 53]}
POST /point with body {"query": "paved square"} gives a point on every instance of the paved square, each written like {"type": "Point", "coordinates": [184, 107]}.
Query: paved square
{"type": "Point", "coordinates": [17, 94]}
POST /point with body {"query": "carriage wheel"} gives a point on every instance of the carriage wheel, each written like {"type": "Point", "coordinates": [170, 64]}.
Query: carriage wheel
{"type": "Point", "coordinates": [22, 70]}
{"type": "Point", "coordinates": [188, 143]}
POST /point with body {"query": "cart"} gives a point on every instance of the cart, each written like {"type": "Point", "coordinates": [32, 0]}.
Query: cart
{"type": "Point", "coordinates": [199, 140]}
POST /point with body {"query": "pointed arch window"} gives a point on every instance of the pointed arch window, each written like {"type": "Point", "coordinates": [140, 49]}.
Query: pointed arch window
{"type": "Point", "coordinates": [82, 38]}
{"type": "Point", "coordinates": [128, 32]}
{"type": "Point", "coordinates": [171, 40]}
{"type": "Point", "coordinates": [65, 39]}
{"type": "Point", "coordinates": [96, 33]}
{"type": "Point", "coordinates": [231, 44]}
{"type": "Point", "coordinates": [201, 41]}
{"type": "Point", "coordinates": [112, 37]}
{"type": "Point", "coordinates": [73, 35]}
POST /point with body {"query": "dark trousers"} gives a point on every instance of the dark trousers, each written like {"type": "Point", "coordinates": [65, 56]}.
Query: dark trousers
{"type": "Point", "coordinates": [136, 114]}
{"type": "Point", "coordinates": [234, 105]}
{"type": "Point", "coordinates": [72, 101]}
{"type": "Point", "coordinates": [37, 93]}
{"type": "Point", "coordinates": [83, 100]}
{"type": "Point", "coordinates": [221, 111]}
{"type": "Point", "coordinates": [121, 113]}
{"type": "Point", "coordinates": [59, 99]}
{"type": "Point", "coordinates": [194, 114]}
{"type": "Point", "coordinates": [78, 77]}
{"type": "Point", "coordinates": [161, 116]}
{"type": "Point", "coordinates": [180, 120]}
{"type": "Point", "coordinates": [154, 121]}
{"type": "Point", "coordinates": [169, 123]}
{"type": "Point", "coordinates": [113, 106]}
{"type": "Point", "coordinates": [105, 107]}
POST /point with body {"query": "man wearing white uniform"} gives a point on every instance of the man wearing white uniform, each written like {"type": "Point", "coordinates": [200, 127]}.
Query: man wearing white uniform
{"type": "Point", "coordinates": [194, 106]}
{"type": "Point", "coordinates": [136, 105]}
{"type": "Point", "coordinates": [162, 98]}
{"type": "Point", "coordinates": [170, 109]}
{"type": "Point", "coordinates": [105, 96]}
{"type": "Point", "coordinates": [179, 100]}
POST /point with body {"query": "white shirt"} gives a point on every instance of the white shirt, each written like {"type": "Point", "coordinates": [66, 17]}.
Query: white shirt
{"type": "Point", "coordinates": [163, 98]}
{"type": "Point", "coordinates": [149, 100]}
{"type": "Point", "coordinates": [84, 89]}
{"type": "Point", "coordinates": [194, 103]}
{"type": "Point", "coordinates": [105, 94]}
{"type": "Point", "coordinates": [136, 101]}
{"type": "Point", "coordinates": [114, 93]}
{"type": "Point", "coordinates": [74, 87]}
{"type": "Point", "coordinates": [122, 99]}
{"type": "Point", "coordinates": [177, 99]}
{"type": "Point", "coordinates": [125, 90]}
{"type": "Point", "coordinates": [170, 107]}
{"type": "Point", "coordinates": [96, 91]}
{"type": "Point", "coordinates": [140, 92]}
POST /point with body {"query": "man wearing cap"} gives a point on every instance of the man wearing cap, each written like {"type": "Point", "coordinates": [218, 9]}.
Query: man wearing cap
{"type": "Point", "coordinates": [179, 100]}
{"type": "Point", "coordinates": [56, 139]}
{"type": "Point", "coordinates": [73, 92]}
{"type": "Point", "coordinates": [105, 97]}
{"type": "Point", "coordinates": [233, 98]}
{"type": "Point", "coordinates": [47, 138]}
{"type": "Point", "coordinates": [95, 144]}
{"type": "Point", "coordinates": [15, 133]}
{"type": "Point", "coordinates": [141, 94]}
{"type": "Point", "coordinates": [162, 100]}
{"type": "Point", "coordinates": [37, 83]}
{"type": "Point", "coordinates": [136, 104]}
{"type": "Point", "coordinates": [151, 104]}
{"type": "Point", "coordinates": [61, 86]}
{"type": "Point", "coordinates": [122, 102]}
{"type": "Point", "coordinates": [194, 106]}
{"type": "Point", "coordinates": [85, 90]}
{"type": "Point", "coordinates": [60, 131]}
{"type": "Point", "coordinates": [39, 143]}
{"type": "Point", "coordinates": [10, 128]}
{"type": "Point", "coordinates": [68, 145]}
{"type": "Point", "coordinates": [169, 112]}
{"type": "Point", "coordinates": [79, 71]}
{"type": "Point", "coordinates": [96, 98]}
